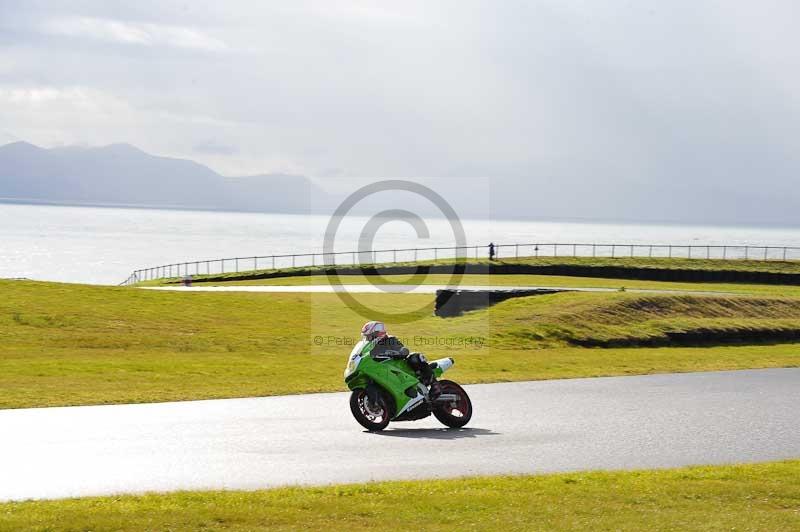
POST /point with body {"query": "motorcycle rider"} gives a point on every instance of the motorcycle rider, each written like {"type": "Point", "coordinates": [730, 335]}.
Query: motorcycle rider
{"type": "Point", "coordinates": [387, 346]}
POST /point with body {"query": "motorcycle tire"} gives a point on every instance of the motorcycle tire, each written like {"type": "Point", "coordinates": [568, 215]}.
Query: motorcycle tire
{"type": "Point", "coordinates": [374, 417]}
{"type": "Point", "coordinates": [455, 414]}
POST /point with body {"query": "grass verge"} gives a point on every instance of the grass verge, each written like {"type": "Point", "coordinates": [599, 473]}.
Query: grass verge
{"type": "Point", "coordinates": [557, 281]}
{"type": "Point", "coordinates": [740, 497]}
{"type": "Point", "coordinates": [72, 344]}
{"type": "Point", "coordinates": [654, 269]}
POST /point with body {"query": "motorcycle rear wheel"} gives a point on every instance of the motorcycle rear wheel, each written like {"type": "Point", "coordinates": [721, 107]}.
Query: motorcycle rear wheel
{"type": "Point", "coordinates": [373, 416]}
{"type": "Point", "coordinates": [457, 413]}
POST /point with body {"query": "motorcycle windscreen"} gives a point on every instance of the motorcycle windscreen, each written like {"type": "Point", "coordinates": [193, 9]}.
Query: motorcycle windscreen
{"type": "Point", "coordinates": [358, 348]}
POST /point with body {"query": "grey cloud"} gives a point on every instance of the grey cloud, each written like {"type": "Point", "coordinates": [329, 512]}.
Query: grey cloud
{"type": "Point", "coordinates": [214, 147]}
{"type": "Point", "coordinates": [647, 103]}
{"type": "Point", "coordinates": [123, 32]}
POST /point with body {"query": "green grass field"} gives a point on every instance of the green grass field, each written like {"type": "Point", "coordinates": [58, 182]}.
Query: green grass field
{"type": "Point", "coordinates": [598, 266]}
{"type": "Point", "coordinates": [771, 266]}
{"type": "Point", "coordinates": [557, 281]}
{"type": "Point", "coordinates": [742, 497]}
{"type": "Point", "coordinates": [64, 344]}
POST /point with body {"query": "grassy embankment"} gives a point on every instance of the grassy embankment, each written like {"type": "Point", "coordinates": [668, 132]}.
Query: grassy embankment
{"type": "Point", "coordinates": [742, 497]}
{"type": "Point", "coordinates": [72, 344]}
{"type": "Point", "coordinates": [549, 265]}
{"type": "Point", "coordinates": [555, 281]}
{"type": "Point", "coordinates": [636, 273]}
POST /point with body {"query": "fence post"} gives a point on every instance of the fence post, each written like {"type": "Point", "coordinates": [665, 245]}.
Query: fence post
{"type": "Point", "coordinates": [670, 251]}
{"type": "Point", "coordinates": [435, 254]}
{"type": "Point", "coordinates": [708, 252]}
{"type": "Point", "coordinates": [273, 262]}
{"type": "Point", "coordinates": [613, 251]}
{"type": "Point", "coordinates": [650, 254]}
{"type": "Point", "coordinates": [690, 251]}
{"type": "Point", "coordinates": [784, 253]}
{"type": "Point", "coordinates": [746, 252]}
{"type": "Point", "coordinates": [394, 256]}
{"type": "Point", "coordinates": [594, 250]}
{"type": "Point", "coordinates": [516, 251]}
{"type": "Point", "coordinates": [765, 252]}
{"type": "Point", "coordinates": [631, 251]}
{"type": "Point", "coordinates": [724, 252]}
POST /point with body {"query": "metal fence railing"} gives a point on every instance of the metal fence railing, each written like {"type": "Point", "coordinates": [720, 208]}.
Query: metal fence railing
{"type": "Point", "coordinates": [505, 251]}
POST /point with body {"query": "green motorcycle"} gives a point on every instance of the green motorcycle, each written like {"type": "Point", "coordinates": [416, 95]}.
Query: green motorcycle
{"type": "Point", "coordinates": [389, 390]}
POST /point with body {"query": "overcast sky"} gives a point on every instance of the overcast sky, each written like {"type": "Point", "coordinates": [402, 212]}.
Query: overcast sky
{"type": "Point", "coordinates": [687, 94]}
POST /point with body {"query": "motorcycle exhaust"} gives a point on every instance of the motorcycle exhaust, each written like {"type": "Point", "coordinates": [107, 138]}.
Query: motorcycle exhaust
{"type": "Point", "coordinates": [446, 398]}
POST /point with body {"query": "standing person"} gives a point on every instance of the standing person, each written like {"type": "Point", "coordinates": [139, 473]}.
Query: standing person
{"type": "Point", "coordinates": [491, 250]}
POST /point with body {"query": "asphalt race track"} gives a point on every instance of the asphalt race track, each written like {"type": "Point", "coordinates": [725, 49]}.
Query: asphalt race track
{"type": "Point", "coordinates": [528, 427]}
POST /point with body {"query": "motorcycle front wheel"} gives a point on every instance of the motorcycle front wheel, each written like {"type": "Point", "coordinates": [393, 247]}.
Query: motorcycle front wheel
{"type": "Point", "coordinates": [372, 415]}
{"type": "Point", "coordinates": [454, 414]}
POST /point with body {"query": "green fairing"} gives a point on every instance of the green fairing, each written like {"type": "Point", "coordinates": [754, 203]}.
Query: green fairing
{"type": "Point", "coordinates": [393, 375]}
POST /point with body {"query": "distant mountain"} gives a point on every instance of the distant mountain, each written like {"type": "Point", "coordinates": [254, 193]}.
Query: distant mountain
{"type": "Point", "coordinates": [121, 174]}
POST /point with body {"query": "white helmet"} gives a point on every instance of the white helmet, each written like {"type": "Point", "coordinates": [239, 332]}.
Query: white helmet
{"type": "Point", "coordinates": [373, 329]}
